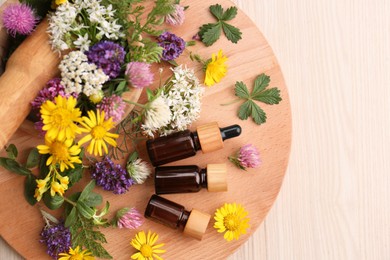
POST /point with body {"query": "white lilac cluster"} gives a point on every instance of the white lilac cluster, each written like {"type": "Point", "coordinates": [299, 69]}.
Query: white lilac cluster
{"type": "Point", "coordinates": [183, 94]}
{"type": "Point", "coordinates": [67, 22]}
{"type": "Point", "coordinates": [80, 76]}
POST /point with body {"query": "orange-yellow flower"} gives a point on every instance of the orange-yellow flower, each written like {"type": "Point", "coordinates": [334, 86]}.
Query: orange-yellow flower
{"type": "Point", "coordinates": [216, 69]}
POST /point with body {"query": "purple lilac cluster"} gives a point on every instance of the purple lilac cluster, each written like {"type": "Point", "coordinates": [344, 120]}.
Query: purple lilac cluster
{"type": "Point", "coordinates": [173, 45]}
{"type": "Point", "coordinates": [108, 56]}
{"type": "Point", "coordinates": [113, 106]}
{"type": "Point", "coordinates": [57, 239]}
{"type": "Point", "coordinates": [111, 177]}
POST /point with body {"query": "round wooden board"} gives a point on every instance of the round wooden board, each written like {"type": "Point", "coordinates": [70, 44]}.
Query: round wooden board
{"type": "Point", "coordinates": [256, 189]}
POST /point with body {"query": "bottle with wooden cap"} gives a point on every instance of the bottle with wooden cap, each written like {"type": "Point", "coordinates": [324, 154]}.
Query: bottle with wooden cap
{"type": "Point", "coordinates": [177, 146]}
{"type": "Point", "coordinates": [190, 178]}
{"type": "Point", "coordinates": [193, 223]}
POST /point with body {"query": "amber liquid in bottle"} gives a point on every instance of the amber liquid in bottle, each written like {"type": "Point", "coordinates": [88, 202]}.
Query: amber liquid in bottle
{"type": "Point", "coordinates": [166, 212]}
{"type": "Point", "coordinates": [179, 179]}
{"type": "Point", "coordinates": [183, 144]}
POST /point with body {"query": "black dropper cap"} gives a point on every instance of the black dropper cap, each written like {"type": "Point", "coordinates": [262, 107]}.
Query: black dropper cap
{"type": "Point", "coordinates": [230, 132]}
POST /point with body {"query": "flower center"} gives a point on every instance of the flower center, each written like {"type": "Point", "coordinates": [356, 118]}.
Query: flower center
{"type": "Point", "coordinates": [76, 257]}
{"type": "Point", "coordinates": [146, 250]}
{"type": "Point", "coordinates": [61, 117]}
{"type": "Point", "coordinates": [98, 132]}
{"type": "Point", "coordinates": [231, 222]}
{"type": "Point", "coordinates": [60, 151]}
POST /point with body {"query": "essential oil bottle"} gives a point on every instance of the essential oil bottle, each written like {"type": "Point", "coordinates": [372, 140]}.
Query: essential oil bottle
{"type": "Point", "coordinates": [180, 145]}
{"type": "Point", "coordinates": [190, 178]}
{"type": "Point", "coordinates": [193, 223]}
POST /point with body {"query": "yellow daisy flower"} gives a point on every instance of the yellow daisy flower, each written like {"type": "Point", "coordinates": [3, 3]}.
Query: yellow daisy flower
{"type": "Point", "coordinates": [76, 254]}
{"type": "Point", "coordinates": [65, 153]}
{"type": "Point", "coordinates": [60, 118]}
{"type": "Point", "coordinates": [216, 69]}
{"type": "Point", "coordinates": [147, 250]}
{"type": "Point", "coordinates": [97, 128]}
{"type": "Point", "coordinates": [232, 219]}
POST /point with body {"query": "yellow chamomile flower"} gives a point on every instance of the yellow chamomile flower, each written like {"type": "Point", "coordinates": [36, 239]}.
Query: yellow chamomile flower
{"type": "Point", "coordinates": [147, 250]}
{"type": "Point", "coordinates": [64, 153]}
{"type": "Point", "coordinates": [76, 254]}
{"type": "Point", "coordinates": [98, 132]}
{"type": "Point", "coordinates": [231, 218]}
{"type": "Point", "coordinates": [216, 69]}
{"type": "Point", "coordinates": [60, 118]}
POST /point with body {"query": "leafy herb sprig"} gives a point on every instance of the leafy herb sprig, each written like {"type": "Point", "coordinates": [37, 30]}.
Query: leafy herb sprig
{"type": "Point", "coordinates": [249, 108]}
{"type": "Point", "coordinates": [210, 32]}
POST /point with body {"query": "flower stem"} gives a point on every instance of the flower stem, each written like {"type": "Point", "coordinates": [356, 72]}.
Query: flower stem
{"type": "Point", "coordinates": [231, 102]}
{"type": "Point", "coordinates": [70, 202]}
{"type": "Point", "coordinates": [134, 103]}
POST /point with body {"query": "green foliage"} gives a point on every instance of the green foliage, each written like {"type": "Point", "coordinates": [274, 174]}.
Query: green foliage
{"type": "Point", "coordinates": [33, 158]}
{"type": "Point", "coordinates": [148, 52]}
{"type": "Point", "coordinates": [54, 202]}
{"type": "Point", "coordinates": [210, 32]}
{"type": "Point", "coordinates": [13, 166]}
{"type": "Point", "coordinates": [259, 93]}
{"type": "Point", "coordinates": [41, 7]}
{"type": "Point", "coordinates": [29, 189]}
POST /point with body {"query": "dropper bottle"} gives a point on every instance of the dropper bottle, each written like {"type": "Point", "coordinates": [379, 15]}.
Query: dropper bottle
{"type": "Point", "coordinates": [184, 144]}
{"type": "Point", "coordinates": [190, 178]}
{"type": "Point", "coordinates": [193, 223]}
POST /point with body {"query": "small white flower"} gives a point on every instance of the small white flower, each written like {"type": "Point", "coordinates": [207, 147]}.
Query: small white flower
{"type": "Point", "coordinates": [156, 116]}
{"type": "Point", "coordinates": [138, 170]}
{"type": "Point", "coordinates": [82, 42]}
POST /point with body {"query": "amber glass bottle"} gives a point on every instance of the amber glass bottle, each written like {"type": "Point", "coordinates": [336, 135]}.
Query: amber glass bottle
{"type": "Point", "coordinates": [177, 146]}
{"type": "Point", "coordinates": [190, 178]}
{"type": "Point", "coordinates": [193, 223]}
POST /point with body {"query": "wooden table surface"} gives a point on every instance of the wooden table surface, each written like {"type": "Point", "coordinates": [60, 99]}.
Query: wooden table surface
{"type": "Point", "coordinates": [335, 200]}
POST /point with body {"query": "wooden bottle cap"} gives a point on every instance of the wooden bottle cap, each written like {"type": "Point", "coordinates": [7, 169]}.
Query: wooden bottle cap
{"type": "Point", "coordinates": [196, 224]}
{"type": "Point", "coordinates": [210, 137]}
{"type": "Point", "coordinates": [216, 177]}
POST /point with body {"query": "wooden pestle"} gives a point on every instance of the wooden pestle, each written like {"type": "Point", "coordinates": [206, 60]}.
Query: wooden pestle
{"type": "Point", "coordinates": [27, 71]}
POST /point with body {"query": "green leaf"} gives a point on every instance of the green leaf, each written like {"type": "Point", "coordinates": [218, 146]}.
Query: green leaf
{"type": "Point", "coordinates": [30, 185]}
{"type": "Point", "coordinates": [217, 11]}
{"type": "Point", "coordinates": [13, 166]}
{"type": "Point", "coordinates": [269, 96]}
{"type": "Point", "coordinates": [241, 90]}
{"type": "Point", "coordinates": [229, 14]}
{"type": "Point", "coordinates": [261, 82]}
{"type": "Point", "coordinates": [212, 35]}
{"type": "Point", "coordinates": [122, 87]}
{"type": "Point", "coordinates": [204, 28]}
{"type": "Point", "coordinates": [232, 33]}
{"type": "Point", "coordinates": [245, 110]}
{"type": "Point", "coordinates": [43, 168]}
{"type": "Point", "coordinates": [33, 158]}
{"type": "Point", "coordinates": [52, 202]}
{"type": "Point", "coordinates": [87, 190]}
{"type": "Point", "coordinates": [149, 94]}
{"type": "Point", "coordinates": [71, 218]}
{"type": "Point", "coordinates": [12, 151]}
{"type": "Point", "coordinates": [93, 199]}
{"type": "Point", "coordinates": [258, 114]}
{"type": "Point", "coordinates": [132, 157]}
{"type": "Point", "coordinates": [84, 209]}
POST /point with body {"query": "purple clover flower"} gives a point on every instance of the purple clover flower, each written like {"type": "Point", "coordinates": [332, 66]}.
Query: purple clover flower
{"type": "Point", "coordinates": [129, 218]}
{"type": "Point", "coordinates": [108, 56]}
{"type": "Point", "coordinates": [177, 17]}
{"type": "Point", "coordinates": [139, 74]}
{"type": "Point", "coordinates": [173, 45]}
{"type": "Point", "coordinates": [19, 19]}
{"type": "Point", "coordinates": [113, 106]}
{"type": "Point", "coordinates": [111, 177]}
{"type": "Point", "coordinates": [247, 157]}
{"type": "Point", "coordinates": [57, 239]}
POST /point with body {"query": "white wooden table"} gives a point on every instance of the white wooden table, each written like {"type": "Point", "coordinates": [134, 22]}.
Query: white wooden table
{"type": "Point", "coordinates": [335, 200]}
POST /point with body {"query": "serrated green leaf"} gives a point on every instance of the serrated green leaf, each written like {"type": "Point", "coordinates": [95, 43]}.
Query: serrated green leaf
{"type": "Point", "coordinates": [257, 113]}
{"type": "Point", "coordinates": [269, 96]}
{"type": "Point", "coordinates": [33, 158]}
{"type": "Point", "coordinates": [232, 33]}
{"type": "Point", "coordinates": [217, 11]}
{"type": "Point", "coordinates": [71, 218]}
{"type": "Point", "coordinates": [241, 90]}
{"type": "Point", "coordinates": [52, 202]}
{"type": "Point", "coordinates": [12, 151]}
{"type": "Point", "coordinates": [86, 211]}
{"type": "Point", "coordinates": [212, 35]}
{"type": "Point", "coordinates": [13, 166]}
{"type": "Point", "coordinates": [93, 199]}
{"type": "Point", "coordinates": [30, 185]}
{"type": "Point", "coordinates": [230, 13]}
{"type": "Point", "coordinates": [204, 28]}
{"type": "Point", "coordinates": [245, 110]}
{"type": "Point", "coordinates": [261, 82]}
{"type": "Point", "coordinates": [87, 190]}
